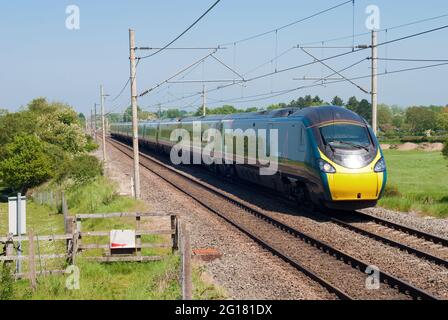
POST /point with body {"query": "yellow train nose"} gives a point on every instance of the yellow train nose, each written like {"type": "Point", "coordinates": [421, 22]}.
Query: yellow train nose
{"type": "Point", "coordinates": [353, 187]}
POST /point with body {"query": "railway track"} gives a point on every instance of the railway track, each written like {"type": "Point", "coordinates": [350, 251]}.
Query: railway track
{"type": "Point", "coordinates": [418, 243]}
{"type": "Point", "coordinates": [423, 245]}
{"type": "Point", "coordinates": [337, 271]}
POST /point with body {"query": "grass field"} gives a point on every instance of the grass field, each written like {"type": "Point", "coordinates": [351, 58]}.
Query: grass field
{"type": "Point", "coordinates": [418, 181]}
{"type": "Point", "coordinates": [118, 281]}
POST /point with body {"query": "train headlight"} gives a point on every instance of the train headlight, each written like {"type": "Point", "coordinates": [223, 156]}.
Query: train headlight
{"type": "Point", "coordinates": [326, 167]}
{"type": "Point", "coordinates": [380, 165]}
{"type": "Point", "coordinates": [353, 162]}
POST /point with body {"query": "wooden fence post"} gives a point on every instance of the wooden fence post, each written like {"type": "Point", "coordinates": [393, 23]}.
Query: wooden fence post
{"type": "Point", "coordinates": [9, 252]}
{"type": "Point", "coordinates": [187, 286]}
{"type": "Point", "coordinates": [79, 230]}
{"type": "Point", "coordinates": [75, 246]}
{"type": "Point", "coordinates": [64, 207]}
{"type": "Point", "coordinates": [10, 247]}
{"type": "Point", "coordinates": [175, 236]}
{"type": "Point", "coordinates": [32, 260]}
{"type": "Point", "coordinates": [138, 237]}
{"type": "Point", "coordinates": [69, 229]}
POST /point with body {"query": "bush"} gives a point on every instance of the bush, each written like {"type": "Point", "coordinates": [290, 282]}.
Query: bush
{"type": "Point", "coordinates": [6, 282]}
{"type": "Point", "coordinates": [80, 170]}
{"type": "Point", "coordinates": [91, 145]}
{"type": "Point", "coordinates": [421, 139]}
{"type": "Point", "coordinates": [445, 149]}
{"type": "Point", "coordinates": [90, 197]}
{"type": "Point", "coordinates": [25, 163]}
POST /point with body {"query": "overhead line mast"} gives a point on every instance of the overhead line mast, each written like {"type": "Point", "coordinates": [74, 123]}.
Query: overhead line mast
{"type": "Point", "coordinates": [103, 123]}
{"type": "Point", "coordinates": [134, 96]}
{"type": "Point", "coordinates": [374, 91]}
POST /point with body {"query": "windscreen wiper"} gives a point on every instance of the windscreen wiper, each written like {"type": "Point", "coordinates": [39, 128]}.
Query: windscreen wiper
{"type": "Point", "coordinates": [352, 145]}
{"type": "Point", "coordinates": [328, 144]}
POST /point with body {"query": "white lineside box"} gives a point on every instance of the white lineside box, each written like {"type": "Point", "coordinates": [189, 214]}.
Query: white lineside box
{"type": "Point", "coordinates": [13, 215]}
{"type": "Point", "coordinates": [122, 241]}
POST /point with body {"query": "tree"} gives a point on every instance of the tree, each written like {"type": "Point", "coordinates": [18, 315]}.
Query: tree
{"type": "Point", "coordinates": [337, 101]}
{"type": "Point", "coordinates": [353, 104]}
{"type": "Point", "coordinates": [421, 119]}
{"type": "Point", "coordinates": [442, 121]}
{"type": "Point", "coordinates": [365, 110]}
{"type": "Point", "coordinates": [305, 102]}
{"type": "Point", "coordinates": [276, 106]}
{"type": "Point", "coordinates": [362, 108]}
{"type": "Point", "coordinates": [146, 115]}
{"type": "Point", "coordinates": [141, 115]}
{"type": "Point", "coordinates": [13, 124]}
{"type": "Point", "coordinates": [398, 120]}
{"type": "Point", "coordinates": [385, 118]}
{"type": "Point", "coordinates": [127, 116]}
{"type": "Point", "coordinates": [82, 119]}
{"type": "Point", "coordinates": [40, 105]}
{"type": "Point", "coordinates": [226, 109]}
{"type": "Point", "coordinates": [62, 128]}
{"type": "Point", "coordinates": [114, 117]}
{"type": "Point", "coordinates": [317, 101]}
{"type": "Point", "coordinates": [253, 109]}
{"type": "Point", "coordinates": [3, 112]}
{"type": "Point", "coordinates": [398, 117]}
{"type": "Point", "coordinates": [174, 113]}
{"type": "Point", "coordinates": [25, 163]}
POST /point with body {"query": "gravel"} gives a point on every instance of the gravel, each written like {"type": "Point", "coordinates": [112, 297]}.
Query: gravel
{"type": "Point", "coordinates": [421, 273]}
{"type": "Point", "coordinates": [438, 227]}
{"type": "Point", "coordinates": [436, 250]}
{"type": "Point", "coordinates": [245, 271]}
{"type": "Point", "coordinates": [239, 270]}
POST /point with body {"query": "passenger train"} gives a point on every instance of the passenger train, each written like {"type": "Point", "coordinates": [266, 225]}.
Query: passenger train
{"type": "Point", "coordinates": [327, 156]}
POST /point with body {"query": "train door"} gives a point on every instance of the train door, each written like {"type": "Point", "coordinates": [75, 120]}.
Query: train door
{"type": "Point", "coordinates": [268, 139]}
{"type": "Point", "coordinates": [283, 132]}
{"type": "Point", "coordinates": [302, 142]}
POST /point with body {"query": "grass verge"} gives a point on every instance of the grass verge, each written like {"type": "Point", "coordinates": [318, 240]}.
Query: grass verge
{"type": "Point", "coordinates": [157, 280]}
{"type": "Point", "coordinates": [118, 281]}
{"type": "Point", "coordinates": [417, 181]}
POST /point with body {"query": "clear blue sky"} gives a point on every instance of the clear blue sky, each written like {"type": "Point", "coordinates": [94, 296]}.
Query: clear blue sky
{"type": "Point", "coordinates": [40, 57]}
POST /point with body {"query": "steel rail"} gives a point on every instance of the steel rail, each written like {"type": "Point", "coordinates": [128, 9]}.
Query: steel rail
{"type": "Point", "coordinates": [331, 288]}
{"type": "Point", "coordinates": [390, 242]}
{"type": "Point", "coordinates": [388, 279]}
{"type": "Point", "coordinates": [399, 227]}
{"type": "Point", "coordinates": [403, 247]}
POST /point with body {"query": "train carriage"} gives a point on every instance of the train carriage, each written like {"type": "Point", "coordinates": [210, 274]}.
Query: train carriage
{"type": "Point", "coordinates": [327, 155]}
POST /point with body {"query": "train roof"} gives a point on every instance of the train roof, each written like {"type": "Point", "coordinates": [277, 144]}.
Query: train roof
{"type": "Point", "coordinates": [279, 113]}
{"type": "Point", "coordinates": [313, 115]}
{"type": "Point", "coordinates": [325, 114]}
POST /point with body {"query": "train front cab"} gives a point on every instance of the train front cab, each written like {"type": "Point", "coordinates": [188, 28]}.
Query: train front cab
{"type": "Point", "coordinates": [353, 172]}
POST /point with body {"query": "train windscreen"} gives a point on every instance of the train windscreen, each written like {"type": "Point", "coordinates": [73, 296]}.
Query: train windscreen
{"type": "Point", "coordinates": [346, 136]}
